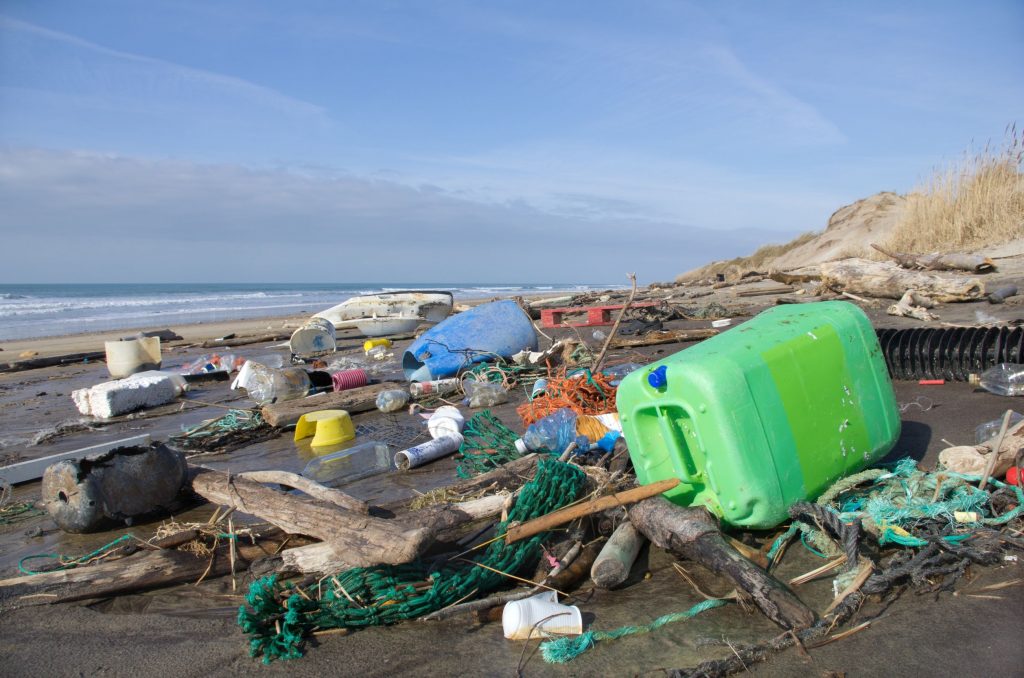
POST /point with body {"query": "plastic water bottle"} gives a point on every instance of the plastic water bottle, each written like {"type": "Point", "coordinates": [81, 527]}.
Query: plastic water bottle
{"type": "Point", "coordinates": [392, 400]}
{"type": "Point", "coordinates": [1003, 379]}
{"type": "Point", "coordinates": [345, 466]}
{"type": "Point", "coordinates": [553, 433]}
{"type": "Point", "coordinates": [267, 385]}
{"type": "Point", "coordinates": [990, 429]}
{"type": "Point", "coordinates": [484, 394]}
{"type": "Point", "coordinates": [617, 372]}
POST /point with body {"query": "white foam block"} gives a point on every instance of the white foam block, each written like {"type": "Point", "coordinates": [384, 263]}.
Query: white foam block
{"type": "Point", "coordinates": [112, 398]}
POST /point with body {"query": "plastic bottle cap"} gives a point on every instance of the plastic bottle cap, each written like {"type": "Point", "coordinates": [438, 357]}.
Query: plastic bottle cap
{"type": "Point", "coordinates": [658, 378]}
{"type": "Point", "coordinates": [521, 446]}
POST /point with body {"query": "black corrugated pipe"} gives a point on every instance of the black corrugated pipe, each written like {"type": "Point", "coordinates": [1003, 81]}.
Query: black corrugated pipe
{"type": "Point", "coordinates": [949, 353]}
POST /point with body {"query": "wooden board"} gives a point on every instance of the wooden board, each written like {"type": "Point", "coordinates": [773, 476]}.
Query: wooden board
{"type": "Point", "coordinates": [353, 401]}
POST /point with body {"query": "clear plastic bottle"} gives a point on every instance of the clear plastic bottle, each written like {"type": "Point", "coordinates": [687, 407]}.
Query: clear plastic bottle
{"type": "Point", "coordinates": [484, 394]}
{"type": "Point", "coordinates": [1002, 379]}
{"type": "Point", "coordinates": [553, 433]}
{"type": "Point", "coordinates": [617, 372]}
{"type": "Point", "coordinates": [990, 429]}
{"type": "Point", "coordinates": [392, 400]}
{"type": "Point", "coordinates": [267, 385]}
{"type": "Point", "coordinates": [345, 466]}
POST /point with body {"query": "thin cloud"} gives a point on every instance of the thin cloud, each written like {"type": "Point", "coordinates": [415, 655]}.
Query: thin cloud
{"type": "Point", "coordinates": [272, 225]}
{"type": "Point", "coordinates": [238, 87]}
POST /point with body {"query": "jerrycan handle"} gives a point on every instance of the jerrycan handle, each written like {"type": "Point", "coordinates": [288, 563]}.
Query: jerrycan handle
{"type": "Point", "coordinates": [676, 444]}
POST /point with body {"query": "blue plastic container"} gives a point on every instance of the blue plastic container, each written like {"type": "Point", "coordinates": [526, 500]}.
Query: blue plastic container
{"type": "Point", "coordinates": [500, 328]}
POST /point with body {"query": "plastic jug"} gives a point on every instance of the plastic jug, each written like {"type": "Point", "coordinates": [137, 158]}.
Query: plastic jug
{"type": "Point", "coordinates": [766, 414]}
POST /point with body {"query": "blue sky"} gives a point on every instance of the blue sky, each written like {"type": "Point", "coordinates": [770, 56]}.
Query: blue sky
{"type": "Point", "coordinates": [487, 141]}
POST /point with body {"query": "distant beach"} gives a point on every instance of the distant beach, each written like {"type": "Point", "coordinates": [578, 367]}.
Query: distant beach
{"type": "Point", "coordinates": [57, 310]}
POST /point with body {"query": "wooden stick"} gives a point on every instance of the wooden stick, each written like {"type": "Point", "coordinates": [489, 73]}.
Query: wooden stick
{"type": "Point", "coordinates": [615, 327]}
{"type": "Point", "coordinates": [231, 552]}
{"type": "Point", "coordinates": [817, 572]}
{"type": "Point", "coordinates": [538, 525]}
{"type": "Point", "coordinates": [995, 451]}
{"type": "Point", "coordinates": [866, 568]}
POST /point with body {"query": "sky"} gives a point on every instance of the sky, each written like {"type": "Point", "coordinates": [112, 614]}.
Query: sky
{"type": "Point", "coordinates": [206, 141]}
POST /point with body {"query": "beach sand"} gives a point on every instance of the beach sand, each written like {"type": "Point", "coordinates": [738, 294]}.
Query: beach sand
{"type": "Point", "coordinates": [190, 630]}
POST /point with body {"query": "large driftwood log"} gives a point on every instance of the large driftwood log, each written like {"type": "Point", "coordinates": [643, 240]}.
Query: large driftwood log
{"type": "Point", "coordinates": [886, 279]}
{"type": "Point", "coordinates": [362, 399]}
{"type": "Point", "coordinates": [365, 540]}
{"type": "Point", "coordinates": [444, 521]}
{"type": "Point", "coordinates": [694, 534]}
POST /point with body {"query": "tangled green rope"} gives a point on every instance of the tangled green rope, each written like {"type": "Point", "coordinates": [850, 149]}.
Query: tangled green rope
{"type": "Point", "coordinates": [564, 650]}
{"type": "Point", "coordinates": [68, 562]}
{"type": "Point", "coordinates": [487, 444]}
{"type": "Point", "coordinates": [234, 420]}
{"type": "Point", "coordinates": [898, 500]}
{"type": "Point", "coordinates": [387, 594]}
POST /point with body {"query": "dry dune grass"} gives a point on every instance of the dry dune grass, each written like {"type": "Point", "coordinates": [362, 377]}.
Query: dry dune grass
{"type": "Point", "coordinates": [757, 261]}
{"type": "Point", "coordinates": [976, 202]}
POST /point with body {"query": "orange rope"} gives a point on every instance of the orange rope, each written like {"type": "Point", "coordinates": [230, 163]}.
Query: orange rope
{"type": "Point", "coordinates": [585, 393]}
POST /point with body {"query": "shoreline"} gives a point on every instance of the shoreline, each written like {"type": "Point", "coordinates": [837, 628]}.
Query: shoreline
{"type": "Point", "coordinates": [191, 333]}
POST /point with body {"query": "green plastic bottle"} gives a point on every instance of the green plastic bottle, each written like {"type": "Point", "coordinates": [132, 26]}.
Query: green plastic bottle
{"type": "Point", "coordinates": [769, 413]}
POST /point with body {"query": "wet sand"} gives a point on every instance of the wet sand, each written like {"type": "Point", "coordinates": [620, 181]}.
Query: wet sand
{"type": "Point", "coordinates": [190, 630]}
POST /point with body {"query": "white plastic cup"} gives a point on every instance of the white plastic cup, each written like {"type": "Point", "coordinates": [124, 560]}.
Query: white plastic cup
{"type": "Point", "coordinates": [540, 616]}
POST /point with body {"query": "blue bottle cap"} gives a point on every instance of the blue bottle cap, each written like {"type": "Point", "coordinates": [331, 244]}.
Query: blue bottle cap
{"type": "Point", "coordinates": [658, 378]}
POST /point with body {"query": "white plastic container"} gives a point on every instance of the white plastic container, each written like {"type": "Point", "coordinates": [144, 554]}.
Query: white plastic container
{"type": "Point", "coordinates": [135, 355]}
{"type": "Point", "coordinates": [540, 616]}
{"type": "Point", "coordinates": [316, 336]}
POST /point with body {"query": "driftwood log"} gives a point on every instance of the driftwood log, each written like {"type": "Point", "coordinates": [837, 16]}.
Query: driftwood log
{"type": "Point", "coordinates": [349, 538]}
{"type": "Point", "coordinates": [693, 533]}
{"type": "Point", "coordinates": [36, 363]}
{"type": "Point", "coordinates": [887, 280]}
{"type": "Point", "coordinates": [151, 569]}
{"type": "Point", "coordinates": [362, 399]}
{"type": "Point", "coordinates": [663, 337]}
{"type": "Point", "coordinates": [366, 540]}
{"type": "Point", "coordinates": [973, 263]}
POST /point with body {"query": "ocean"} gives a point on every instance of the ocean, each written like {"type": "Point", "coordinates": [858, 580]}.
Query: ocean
{"type": "Point", "coordinates": [28, 311]}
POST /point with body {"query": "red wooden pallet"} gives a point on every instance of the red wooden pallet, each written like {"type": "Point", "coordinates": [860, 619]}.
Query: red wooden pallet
{"type": "Point", "coordinates": [596, 315]}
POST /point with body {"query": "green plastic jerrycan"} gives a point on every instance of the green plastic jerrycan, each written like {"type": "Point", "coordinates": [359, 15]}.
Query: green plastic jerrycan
{"type": "Point", "coordinates": [767, 414]}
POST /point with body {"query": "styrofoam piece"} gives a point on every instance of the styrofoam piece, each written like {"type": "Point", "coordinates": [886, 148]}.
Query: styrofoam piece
{"type": "Point", "coordinates": [112, 398]}
{"type": "Point", "coordinates": [33, 469]}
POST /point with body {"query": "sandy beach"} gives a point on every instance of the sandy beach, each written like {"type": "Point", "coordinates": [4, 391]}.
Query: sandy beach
{"type": "Point", "coordinates": [191, 630]}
